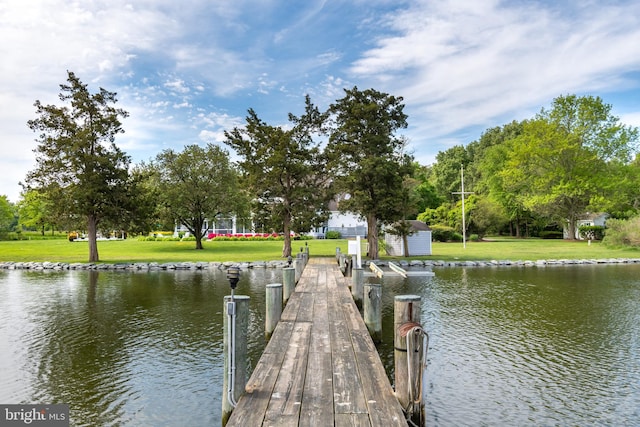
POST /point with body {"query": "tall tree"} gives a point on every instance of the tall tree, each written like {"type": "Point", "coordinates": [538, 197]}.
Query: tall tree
{"type": "Point", "coordinates": [197, 184]}
{"type": "Point", "coordinates": [447, 172]}
{"type": "Point", "coordinates": [368, 158]}
{"type": "Point", "coordinates": [79, 168]}
{"type": "Point", "coordinates": [284, 169]}
{"type": "Point", "coordinates": [564, 157]}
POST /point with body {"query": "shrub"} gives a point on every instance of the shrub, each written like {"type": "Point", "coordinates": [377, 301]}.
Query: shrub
{"type": "Point", "coordinates": [623, 232]}
{"type": "Point", "coordinates": [591, 232]}
{"type": "Point", "coordinates": [333, 235]}
{"type": "Point", "coordinates": [474, 238]}
{"type": "Point", "coordinates": [550, 234]}
{"type": "Point", "coordinates": [443, 233]}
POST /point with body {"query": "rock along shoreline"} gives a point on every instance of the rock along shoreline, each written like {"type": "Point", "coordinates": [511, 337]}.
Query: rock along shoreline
{"type": "Point", "coordinates": [176, 266]}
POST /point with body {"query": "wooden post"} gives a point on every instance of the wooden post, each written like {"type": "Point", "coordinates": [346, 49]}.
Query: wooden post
{"type": "Point", "coordinates": [373, 309]}
{"type": "Point", "coordinates": [406, 311]}
{"type": "Point", "coordinates": [288, 282]}
{"type": "Point", "coordinates": [273, 308]}
{"type": "Point", "coordinates": [299, 266]}
{"type": "Point", "coordinates": [357, 280]}
{"type": "Point", "coordinates": [235, 356]}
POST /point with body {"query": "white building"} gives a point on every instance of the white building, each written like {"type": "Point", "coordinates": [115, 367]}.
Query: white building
{"type": "Point", "coordinates": [419, 242]}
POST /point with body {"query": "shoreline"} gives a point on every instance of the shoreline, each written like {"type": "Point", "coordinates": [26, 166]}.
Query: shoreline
{"type": "Point", "coordinates": [202, 265]}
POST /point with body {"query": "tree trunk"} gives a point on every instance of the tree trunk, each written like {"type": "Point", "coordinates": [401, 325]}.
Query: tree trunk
{"type": "Point", "coordinates": [92, 230]}
{"type": "Point", "coordinates": [405, 243]}
{"type": "Point", "coordinates": [572, 229]}
{"type": "Point", "coordinates": [372, 236]}
{"type": "Point", "coordinates": [197, 232]}
{"type": "Point", "coordinates": [286, 249]}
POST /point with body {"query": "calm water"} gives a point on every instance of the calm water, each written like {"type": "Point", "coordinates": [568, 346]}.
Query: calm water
{"type": "Point", "coordinates": [509, 346]}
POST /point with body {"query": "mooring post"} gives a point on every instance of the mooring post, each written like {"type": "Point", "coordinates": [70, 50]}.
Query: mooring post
{"type": "Point", "coordinates": [357, 281]}
{"type": "Point", "coordinates": [373, 309]}
{"type": "Point", "coordinates": [288, 283]}
{"type": "Point", "coordinates": [408, 367]}
{"type": "Point", "coordinates": [273, 308]}
{"type": "Point", "coordinates": [235, 332]}
{"type": "Point", "coordinates": [299, 266]}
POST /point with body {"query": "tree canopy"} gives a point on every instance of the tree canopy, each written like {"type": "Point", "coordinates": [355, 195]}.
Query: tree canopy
{"type": "Point", "coordinates": [368, 160]}
{"type": "Point", "coordinates": [79, 169]}
{"type": "Point", "coordinates": [197, 184]}
{"type": "Point", "coordinates": [563, 160]}
{"type": "Point", "coordinates": [284, 171]}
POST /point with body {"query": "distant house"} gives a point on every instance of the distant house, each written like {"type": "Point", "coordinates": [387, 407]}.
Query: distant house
{"type": "Point", "coordinates": [586, 219]}
{"type": "Point", "coordinates": [347, 223]}
{"type": "Point", "coordinates": [419, 242]}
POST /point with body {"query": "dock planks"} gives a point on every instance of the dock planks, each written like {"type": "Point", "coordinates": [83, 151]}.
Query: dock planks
{"type": "Point", "coordinates": [320, 367]}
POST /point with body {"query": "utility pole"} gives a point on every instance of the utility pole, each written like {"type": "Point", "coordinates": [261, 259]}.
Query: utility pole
{"type": "Point", "coordinates": [463, 193]}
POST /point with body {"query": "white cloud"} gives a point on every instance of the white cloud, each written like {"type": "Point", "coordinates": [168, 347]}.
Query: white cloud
{"type": "Point", "coordinates": [460, 64]}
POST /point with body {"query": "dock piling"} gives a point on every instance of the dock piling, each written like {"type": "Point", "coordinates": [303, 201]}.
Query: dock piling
{"type": "Point", "coordinates": [409, 368]}
{"type": "Point", "coordinates": [235, 333]}
{"type": "Point", "coordinates": [373, 310]}
{"type": "Point", "coordinates": [273, 308]}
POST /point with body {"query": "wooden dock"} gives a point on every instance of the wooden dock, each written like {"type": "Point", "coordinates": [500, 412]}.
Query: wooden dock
{"type": "Point", "coordinates": [320, 367]}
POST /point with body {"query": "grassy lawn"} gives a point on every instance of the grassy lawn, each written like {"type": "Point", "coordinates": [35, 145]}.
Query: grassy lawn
{"type": "Point", "coordinates": [132, 250]}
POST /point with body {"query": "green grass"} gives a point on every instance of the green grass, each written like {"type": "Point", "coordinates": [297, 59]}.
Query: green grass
{"type": "Point", "coordinates": [527, 249]}
{"type": "Point", "coordinates": [132, 250]}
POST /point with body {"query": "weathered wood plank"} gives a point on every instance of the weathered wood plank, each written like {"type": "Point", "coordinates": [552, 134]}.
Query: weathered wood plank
{"type": "Point", "coordinates": [317, 404]}
{"type": "Point", "coordinates": [290, 312]}
{"type": "Point", "coordinates": [287, 392]}
{"type": "Point", "coordinates": [352, 420]}
{"type": "Point", "coordinates": [347, 394]}
{"type": "Point", "coordinates": [320, 337]}
{"type": "Point", "coordinates": [253, 404]}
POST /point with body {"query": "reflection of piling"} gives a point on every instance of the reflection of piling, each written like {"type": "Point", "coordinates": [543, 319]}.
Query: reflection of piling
{"type": "Point", "coordinates": [373, 310]}
{"type": "Point", "coordinates": [357, 280]}
{"type": "Point", "coordinates": [410, 355]}
{"type": "Point", "coordinates": [234, 344]}
{"type": "Point", "coordinates": [273, 308]}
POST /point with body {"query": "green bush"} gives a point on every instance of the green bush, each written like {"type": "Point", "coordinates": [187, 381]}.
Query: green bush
{"type": "Point", "coordinates": [623, 232]}
{"type": "Point", "coordinates": [591, 232]}
{"type": "Point", "coordinates": [551, 235]}
{"type": "Point", "coordinates": [333, 235]}
{"type": "Point", "coordinates": [474, 238]}
{"type": "Point", "coordinates": [443, 233]}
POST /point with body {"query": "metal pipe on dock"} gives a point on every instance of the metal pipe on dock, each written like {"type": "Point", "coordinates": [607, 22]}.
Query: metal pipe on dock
{"type": "Point", "coordinates": [235, 333]}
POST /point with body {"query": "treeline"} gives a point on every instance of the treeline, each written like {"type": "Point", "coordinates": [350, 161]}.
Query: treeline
{"type": "Point", "coordinates": [526, 177]}
{"type": "Point", "coordinates": [533, 177]}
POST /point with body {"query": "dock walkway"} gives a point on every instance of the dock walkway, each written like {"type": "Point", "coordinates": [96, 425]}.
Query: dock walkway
{"type": "Point", "coordinates": [320, 367]}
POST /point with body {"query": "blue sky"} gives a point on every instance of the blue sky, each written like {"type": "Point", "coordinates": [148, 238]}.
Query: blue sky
{"type": "Point", "coordinates": [188, 70]}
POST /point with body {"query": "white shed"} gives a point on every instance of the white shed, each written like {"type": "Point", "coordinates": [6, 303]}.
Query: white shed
{"type": "Point", "coordinates": [419, 242]}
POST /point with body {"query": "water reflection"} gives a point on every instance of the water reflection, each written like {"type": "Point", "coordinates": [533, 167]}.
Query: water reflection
{"type": "Point", "coordinates": [556, 346]}
{"type": "Point", "coordinates": [508, 346]}
{"type": "Point", "coordinates": [121, 348]}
